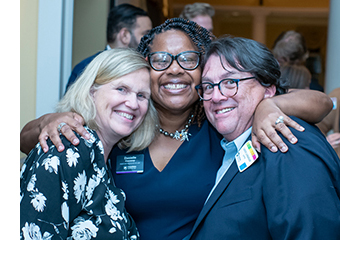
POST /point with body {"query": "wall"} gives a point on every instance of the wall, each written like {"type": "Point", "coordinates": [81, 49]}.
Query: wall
{"type": "Point", "coordinates": [89, 28]}
{"type": "Point", "coordinates": [28, 59]}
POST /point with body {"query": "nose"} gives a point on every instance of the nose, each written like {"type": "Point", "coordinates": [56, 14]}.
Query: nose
{"type": "Point", "coordinates": [174, 68]}
{"type": "Point", "coordinates": [217, 95]}
{"type": "Point", "coordinates": [132, 101]}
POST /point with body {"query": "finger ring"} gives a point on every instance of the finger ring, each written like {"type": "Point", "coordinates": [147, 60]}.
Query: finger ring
{"type": "Point", "coordinates": [279, 120]}
{"type": "Point", "coordinates": [60, 126]}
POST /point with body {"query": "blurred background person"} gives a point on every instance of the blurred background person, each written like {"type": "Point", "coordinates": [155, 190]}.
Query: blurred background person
{"type": "Point", "coordinates": [297, 76]}
{"type": "Point", "coordinates": [290, 48]}
{"type": "Point", "coordinates": [332, 122]}
{"type": "Point", "coordinates": [126, 25]}
{"type": "Point", "coordinates": [201, 13]}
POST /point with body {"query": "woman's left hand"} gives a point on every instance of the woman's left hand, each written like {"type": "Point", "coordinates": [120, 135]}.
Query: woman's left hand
{"type": "Point", "coordinates": [266, 125]}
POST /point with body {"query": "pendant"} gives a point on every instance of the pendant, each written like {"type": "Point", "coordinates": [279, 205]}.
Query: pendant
{"type": "Point", "coordinates": [182, 136]}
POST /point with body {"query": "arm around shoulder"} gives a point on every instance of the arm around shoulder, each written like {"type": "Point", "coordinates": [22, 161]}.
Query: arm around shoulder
{"type": "Point", "coordinates": [310, 105]}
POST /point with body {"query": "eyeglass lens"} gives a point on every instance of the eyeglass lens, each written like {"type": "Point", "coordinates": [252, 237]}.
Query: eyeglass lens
{"type": "Point", "coordinates": [162, 60]}
{"type": "Point", "coordinates": [227, 87]}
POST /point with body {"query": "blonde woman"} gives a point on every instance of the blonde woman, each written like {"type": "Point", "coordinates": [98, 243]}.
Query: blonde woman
{"type": "Point", "coordinates": [71, 195]}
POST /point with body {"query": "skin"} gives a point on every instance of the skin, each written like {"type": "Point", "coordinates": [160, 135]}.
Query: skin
{"type": "Point", "coordinates": [131, 38]}
{"type": "Point", "coordinates": [121, 106]}
{"type": "Point", "coordinates": [204, 21]}
{"type": "Point", "coordinates": [174, 94]}
{"type": "Point", "coordinates": [142, 26]}
{"type": "Point", "coordinates": [334, 140]}
{"type": "Point", "coordinates": [232, 116]}
{"type": "Point", "coordinates": [174, 110]}
{"type": "Point", "coordinates": [172, 88]}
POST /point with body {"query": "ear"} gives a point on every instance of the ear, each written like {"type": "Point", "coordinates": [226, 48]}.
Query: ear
{"type": "Point", "coordinates": [124, 37]}
{"type": "Point", "coordinates": [270, 91]}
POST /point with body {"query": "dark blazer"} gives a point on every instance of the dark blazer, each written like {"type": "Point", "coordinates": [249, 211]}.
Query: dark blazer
{"type": "Point", "coordinates": [78, 69]}
{"type": "Point", "coordinates": [293, 195]}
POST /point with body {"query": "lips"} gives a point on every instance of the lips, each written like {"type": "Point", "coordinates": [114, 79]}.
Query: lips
{"type": "Point", "coordinates": [125, 115]}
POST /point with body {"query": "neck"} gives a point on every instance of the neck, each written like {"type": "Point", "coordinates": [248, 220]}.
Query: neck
{"type": "Point", "coordinates": [108, 143]}
{"type": "Point", "coordinates": [173, 121]}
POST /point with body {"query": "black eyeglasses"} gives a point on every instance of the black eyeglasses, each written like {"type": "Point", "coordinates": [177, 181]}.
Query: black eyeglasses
{"type": "Point", "coordinates": [188, 60]}
{"type": "Point", "coordinates": [227, 87]}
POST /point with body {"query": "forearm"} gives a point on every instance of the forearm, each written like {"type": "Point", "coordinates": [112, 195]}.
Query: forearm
{"type": "Point", "coordinates": [309, 105]}
{"type": "Point", "coordinates": [29, 135]}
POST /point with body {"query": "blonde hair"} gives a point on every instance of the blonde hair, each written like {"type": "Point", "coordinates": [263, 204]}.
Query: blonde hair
{"type": "Point", "coordinates": [108, 66]}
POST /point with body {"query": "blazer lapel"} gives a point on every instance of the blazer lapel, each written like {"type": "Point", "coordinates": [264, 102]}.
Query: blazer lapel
{"type": "Point", "coordinates": [220, 188]}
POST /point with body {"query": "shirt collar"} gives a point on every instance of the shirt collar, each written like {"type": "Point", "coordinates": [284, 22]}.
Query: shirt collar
{"type": "Point", "coordinates": [239, 141]}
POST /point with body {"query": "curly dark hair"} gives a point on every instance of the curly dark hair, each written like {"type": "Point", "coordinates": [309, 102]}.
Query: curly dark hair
{"type": "Point", "coordinates": [199, 36]}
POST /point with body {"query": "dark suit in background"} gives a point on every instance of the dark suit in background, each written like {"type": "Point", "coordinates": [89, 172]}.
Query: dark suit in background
{"type": "Point", "coordinates": [79, 68]}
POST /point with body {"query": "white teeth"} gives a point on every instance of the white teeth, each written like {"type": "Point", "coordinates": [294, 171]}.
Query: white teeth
{"type": "Point", "coordinates": [128, 116]}
{"type": "Point", "coordinates": [224, 110]}
{"type": "Point", "coordinates": [175, 86]}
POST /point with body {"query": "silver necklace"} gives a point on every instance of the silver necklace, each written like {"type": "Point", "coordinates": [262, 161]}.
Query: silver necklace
{"type": "Point", "coordinates": [179, 135]}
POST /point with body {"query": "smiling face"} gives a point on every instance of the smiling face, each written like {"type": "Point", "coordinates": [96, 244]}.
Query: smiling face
{"type": "Point", "coordinates": [174, 88]}
{"type": "Point", "coordinates": [232, 116]}
{"type": "Point", "coordinates": [121, 104]}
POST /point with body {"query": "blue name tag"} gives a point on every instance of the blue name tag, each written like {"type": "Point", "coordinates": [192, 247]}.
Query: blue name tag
{"type": "Point", "coordinates": [133, 163]}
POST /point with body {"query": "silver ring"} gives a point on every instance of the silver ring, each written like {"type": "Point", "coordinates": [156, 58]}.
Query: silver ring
{"type": "Point", "coordinates": [279, 120]}
{"type": "Point", "coordinates": [60, 126]}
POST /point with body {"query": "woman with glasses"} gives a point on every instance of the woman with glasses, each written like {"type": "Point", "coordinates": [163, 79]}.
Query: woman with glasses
{"type": "Point", "coordinates": [178, 169]}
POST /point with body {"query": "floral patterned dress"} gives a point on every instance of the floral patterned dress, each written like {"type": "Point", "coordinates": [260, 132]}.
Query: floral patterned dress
{"type": "Point", "coordinates": [71, 195]}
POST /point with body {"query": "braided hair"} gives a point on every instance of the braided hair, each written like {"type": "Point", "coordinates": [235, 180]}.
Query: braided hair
{"type": "Point", "coordinates": [199, 36]}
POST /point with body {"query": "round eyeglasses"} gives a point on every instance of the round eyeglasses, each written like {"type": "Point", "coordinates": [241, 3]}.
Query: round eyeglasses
{"type": "Point", "coordinates": [227, 87]}
{"type": "Point", "coordinates": [188, 60]}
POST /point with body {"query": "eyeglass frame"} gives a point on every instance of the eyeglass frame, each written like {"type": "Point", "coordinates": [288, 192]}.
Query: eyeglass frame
{"type": "Point", "coordinates": [174, 57]}
{"type": "Point", "coordinates": [199, 86]}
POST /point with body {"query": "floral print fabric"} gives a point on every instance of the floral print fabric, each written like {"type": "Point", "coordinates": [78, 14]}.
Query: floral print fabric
{"type": "Point", "coordinates": [70, 195]}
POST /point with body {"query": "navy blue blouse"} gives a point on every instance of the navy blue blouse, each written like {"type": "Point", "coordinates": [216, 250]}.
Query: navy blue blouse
{"type": "Point", "coordinates": [166, 204]}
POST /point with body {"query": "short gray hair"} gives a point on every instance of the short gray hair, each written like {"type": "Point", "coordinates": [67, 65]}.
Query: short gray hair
{"type": "Point", "coordinates": [107, 66]}
{"type": "Point", "coordinates": [190, 11]}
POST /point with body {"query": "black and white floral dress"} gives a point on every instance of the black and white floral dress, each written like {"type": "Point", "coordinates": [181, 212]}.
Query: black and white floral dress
{"type": "Point", "coordinates": [71, 195]}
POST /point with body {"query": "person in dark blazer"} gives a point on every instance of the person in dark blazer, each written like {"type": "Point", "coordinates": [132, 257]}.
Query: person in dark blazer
{"type": "Point", "coordinates": [126, 24]}
{"type": "Point", "coordinates": [293, 195]}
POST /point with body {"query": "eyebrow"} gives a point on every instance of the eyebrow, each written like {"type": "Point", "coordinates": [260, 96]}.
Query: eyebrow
{"type": "Point", "coordinates": [227, 74]}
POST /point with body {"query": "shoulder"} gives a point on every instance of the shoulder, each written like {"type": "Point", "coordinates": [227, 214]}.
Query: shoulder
{"type": "Point", "coordinates": [81, 65]}
{"type": "Point", "coordinates": [311, 150]}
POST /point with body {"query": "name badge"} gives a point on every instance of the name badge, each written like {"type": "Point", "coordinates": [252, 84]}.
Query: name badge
{"type": "Point", "coordinates": [246, 156]}
{"type": "Point", "coordinates": [334, 100]}
{"type": "Point", "coordinates": [133, 163]}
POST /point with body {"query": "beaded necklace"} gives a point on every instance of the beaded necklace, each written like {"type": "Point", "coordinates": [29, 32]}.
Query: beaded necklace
{"type": "Point", "coordinates": [179, 135]}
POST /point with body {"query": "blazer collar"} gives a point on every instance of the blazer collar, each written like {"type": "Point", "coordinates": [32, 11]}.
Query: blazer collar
{"type": "Point", "coordinates": [220, 188]}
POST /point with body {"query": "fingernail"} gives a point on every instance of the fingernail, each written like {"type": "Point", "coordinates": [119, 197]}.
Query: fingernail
{"type": "Point", "coordinates": [87, 136]}
{"type": "Point", "coordinates": [302, 128]}
{"type": "Point", "coordinates": [45, 150]}
{"type": "Point", "coordinates": [293, 140]}
{"type": "Point", "coordinates": [273, 149]}
{"type": "Point", "coordinates": [75, 141]}
{"type": "Point", "coordinates": [283, 148]}
{"type": "Point", "coordinates": [60, 147]}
